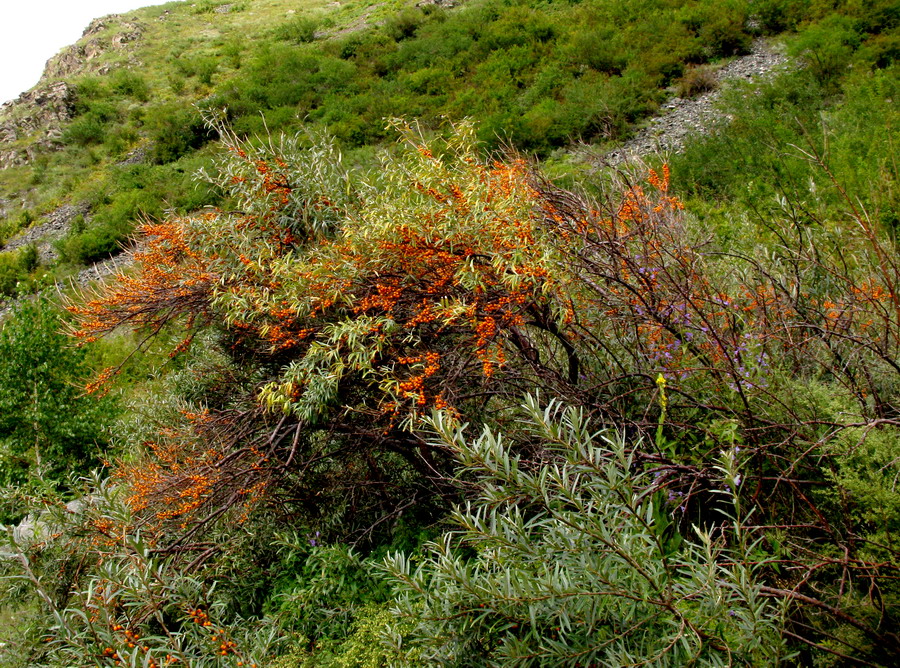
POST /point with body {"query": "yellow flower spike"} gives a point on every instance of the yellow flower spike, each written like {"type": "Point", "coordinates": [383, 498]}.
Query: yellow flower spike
{"type": "Point", "coordinates": [661, 384]}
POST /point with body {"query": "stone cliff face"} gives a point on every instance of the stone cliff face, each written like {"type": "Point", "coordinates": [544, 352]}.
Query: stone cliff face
{"type": "Point", "coordinates": [81, 57]}
{"type": "Point", "coordinates": [32, 123]}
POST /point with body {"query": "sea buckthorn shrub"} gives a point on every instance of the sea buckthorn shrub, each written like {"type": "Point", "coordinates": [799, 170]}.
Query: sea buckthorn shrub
{"type": "Point", "coordinates": [360, 305]}
{"type": "Point", "coordinates": [572, 562]}
{"type": "Point", "coordinates": [345, 310]}
{"type": "Point", "coordinates": [109, 598]}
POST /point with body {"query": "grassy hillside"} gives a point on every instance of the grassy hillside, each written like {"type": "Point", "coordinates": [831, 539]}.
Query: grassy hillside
{"type": "Point", "coordinates": [380, 392]}
{"type": "Point", "coordinates": [537, 75]}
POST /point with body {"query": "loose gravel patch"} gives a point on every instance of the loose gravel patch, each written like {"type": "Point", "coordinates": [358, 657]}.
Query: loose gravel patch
{"type": "Point", "coordinates": [683, 118]}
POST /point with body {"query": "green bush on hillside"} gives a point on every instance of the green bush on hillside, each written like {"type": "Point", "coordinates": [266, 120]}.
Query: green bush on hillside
{"type": "Point", "coordinates": [174, 131]}
{"type": "Point", "coordinates": [534, 69]}
{"type": "Point", "coordinates": [48, 427]}
{"type": "Point", "coordinates": [299, 30]}
{"type": "Point", "coordinates": [129, 83]}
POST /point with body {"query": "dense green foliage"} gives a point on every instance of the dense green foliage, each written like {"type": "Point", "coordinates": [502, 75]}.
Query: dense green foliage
{"type": "Point", "coordinates": [537, 75]}
{"type": "Point", "coordinates": [574, 563]}
{"type": "Point", "coordinates": [48, 428]}
{"type": "Point", "coordinates": [16, 270]}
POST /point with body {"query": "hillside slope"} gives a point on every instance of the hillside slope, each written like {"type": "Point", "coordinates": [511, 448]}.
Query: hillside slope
{"type": "Point", "coordinates": [111, 134]}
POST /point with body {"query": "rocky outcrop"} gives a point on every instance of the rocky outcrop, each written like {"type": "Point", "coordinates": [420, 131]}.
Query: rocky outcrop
{"type": "Point", "coordinates": [77, 58]}
{"type": "Point", "coordinates": [37, 115]}
{"type": "Point", "coordinates": [32, 123]}
{"type": "Point", "coordinates": [36, 109]}
{"type": "Point", "coordinates": [135, 157]}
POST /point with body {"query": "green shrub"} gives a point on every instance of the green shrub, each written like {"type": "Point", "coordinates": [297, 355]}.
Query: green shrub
{"type": "Point", "coordinates": [98, 243]}
{"type": "Point", "coordinates": [827, 47]}
{"type": "Point", "coordinates": [90, 127]}
{"type": "Point", "coordinates": [129, 83]}
{"type": "Point", "coordinates": [233, 51]}
{"type": "Point", "coordinates": [725, 34]}
{"type": "Point", "coordinates": [404, 24]}
{"type": "Point", "coordinates": [776, 16]}
{"type": "Point", "coordinates": [48, 426]}
{"type": "Point", "coordinates": [109, 229]}
{"type": "Point", "coordinates": [597, 48]}
{"type": "Point", "coordinates": [15, 268]}
{"type": "Point", "coordinates": [86, 130]}
{"type": "Point", "coordinates": [177, 83]}
{"type": "Point", "coordinates": [174, 131]}
{"type": "Point", "coordinates": [875, 16]}
{"type": "Point", "coordinates": [321, 595]}
{"type": "Point", "coordinates": [120, 140]}
{"type": "Point", "coordinates": [573, 562]}
{"type": "Point", "coordinates": [205, 68]}
{"type": "Point", "coordinates": [881, 51]}
{"type": "Point", "coordinates": [299, 30]}
{"type": "Point", "coordinates": [89, 88]}
{"type": "Point", "coordinates": [28, 258]}
{"type": "Point", "coordinates": [10, 273]}
{"type": "Point", "coordinates": [362, 647]}
{"type": "Point", "coordinates": [11, 225]}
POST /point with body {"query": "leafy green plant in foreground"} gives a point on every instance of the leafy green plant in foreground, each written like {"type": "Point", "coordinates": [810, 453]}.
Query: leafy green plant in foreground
{"type": "Point", "coordinates": [571, 562]}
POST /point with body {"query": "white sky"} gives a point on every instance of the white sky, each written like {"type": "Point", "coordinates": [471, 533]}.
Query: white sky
{"type": "Point", "coordinates": [32, 31]}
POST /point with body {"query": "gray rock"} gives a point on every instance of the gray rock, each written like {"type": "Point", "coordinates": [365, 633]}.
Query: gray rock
{"type": "Point", "coordinates": [683, 118]}
{"type": "Point", "coordinates": [41, 525]}
{"type": "Point", "coordinates": [50, 228]}
{"type": "Point", "coordinates": [135, 157]}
